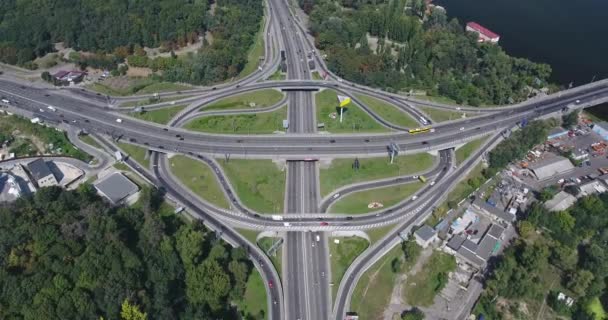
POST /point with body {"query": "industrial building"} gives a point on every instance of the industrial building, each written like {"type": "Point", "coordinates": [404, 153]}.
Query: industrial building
{"type": "Point", "coordinates": [551, 167]}
{"type": "Point", "coordinates": [41, 174]}
{"type": "Point", "coordinates": [477, 253]}
{"type": "Point", "coordinates": [116, 187]}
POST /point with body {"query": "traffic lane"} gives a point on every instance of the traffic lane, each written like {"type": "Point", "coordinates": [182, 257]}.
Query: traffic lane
{"type": "Point", "coordinates": [280, 140]}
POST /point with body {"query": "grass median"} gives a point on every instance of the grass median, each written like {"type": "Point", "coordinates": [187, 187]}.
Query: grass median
{"type": "Point", "coordinates": [357, 203]}
{"type": "Point", "coordinates": [260, 184]}
{"type": "Point", "coordinates": [257, 99]}
{"type": "Point", "coordinates": [257, 123]}
{"type": "Point", "coordinates": [255, 52]}
{"type": "Point", "coordinates": [341, 173]}
{"type": "Point", "coordinates": [161, 116]}
{"type": "Point", "coordinates": [136, 153]}
{"type": "Point", "coordinates": [133, 86]}
{"type": "Point", "coordinates": [389, 112]}
{"type": "Point", "coordinates": [199, 178]}
{"type": "Point", "coordinates": [354, 119]}
{"type": "Point", "coordinates": [439, 115]}
{"type": "Point", "coordinates": [466, 150]}
{"type": "Point", "coordinates": [342, 256]}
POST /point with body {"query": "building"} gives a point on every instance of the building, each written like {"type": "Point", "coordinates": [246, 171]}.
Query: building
{"type": "Point", "coordinates": [557, 133]}
{"type": "Point", "coordinates": [477, 254]}
{"type": "Point", "coordinates": [425, 235]}
{"type": "Point", "coordinates": [591, 187]}
{"type": "Point", "coordinates": [483, 33]}
{"type": "Point", "coordinates": [560, 202]}
{"type": "Point", "coordinates": [494, 212]}
{"type": "Point", "coordinates": [68, 77]}
{"type": "Point", "coordinates": [116, 187]}
{"type": "Point", "coordinates": [41, 174]}
{"type": "Point", "coordinates": [10, 189]}
{"type": "Point", "coordinates": [601, 129]}
{"type": "Point", "coordinates": [551, 167]}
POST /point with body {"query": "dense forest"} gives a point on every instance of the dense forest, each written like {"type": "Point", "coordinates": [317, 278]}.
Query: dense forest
{"type": "Point", "coordinates": [68, 255]}
{"type": "Point", "coordinates": [573, 245]}
{"type": "Point", "coordinates": [115, 30]}
{"type": "Point", "coordinates": [417, 49]}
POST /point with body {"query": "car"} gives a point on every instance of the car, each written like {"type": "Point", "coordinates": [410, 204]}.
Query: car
{"type": "Point", "coordinates": [425, 142]}
{"type": "Point", "coordinates": [588, 163]}
{"type": "Point", "coordinates": [560, 181]}
{"type": "Point", "coordinates": [461, 128]}
{"type": "Point", "coordinates": [432, 183]}
{"type": "Point", "coordinates": [415, 177]}
{"type": "Point", "coordinates": [578, 101]}
{"type": "Point", "coordinates": [270, 284]}
{"type": "Point", "coordinates": [332, 141]}
{"type": "Point", "coordinates": [414, 198]}
{"type": "Point", "coordinates": [324, 223]}
{"type": "Point", "coordinates": [119, 120]}
{"type": "Point", "coordinates": [335, 196]}
{"type": "Point", "coordinates": [165, 129]}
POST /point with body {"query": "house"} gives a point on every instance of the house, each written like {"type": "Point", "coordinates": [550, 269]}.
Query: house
{"type": "Point", "coordinates": [425, 235]}
{"type": "Point", "coordinates": [494, 212]}
{"type": "Point", "coordinates": [560, 202]}
{"type": "Point", "coordinates": [601, 129]}
{"type": "Point", "coordinates": [41, 174]}
{"type": "Point", "coordinates": [551, 167]}
{"type": "Point", "coordinates": [483, 33]}
{"type": "Point", "coordinates": [116, 187]}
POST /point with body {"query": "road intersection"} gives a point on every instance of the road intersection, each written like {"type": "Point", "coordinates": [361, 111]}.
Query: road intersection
{"type": "Point", "coordinates": [303, 292]}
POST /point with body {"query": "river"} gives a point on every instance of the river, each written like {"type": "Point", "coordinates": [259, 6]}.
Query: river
{"type": "Point", "coordinates": [569, 35]}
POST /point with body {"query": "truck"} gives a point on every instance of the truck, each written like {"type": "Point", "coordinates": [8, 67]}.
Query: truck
{"type": "Point", "coordinates": [276, 217]}
{"type": "Point", "coordinates": [422, 179]}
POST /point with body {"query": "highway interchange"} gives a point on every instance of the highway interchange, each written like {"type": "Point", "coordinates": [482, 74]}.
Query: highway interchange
{"type": "Point", "coordinates": [303, 291]}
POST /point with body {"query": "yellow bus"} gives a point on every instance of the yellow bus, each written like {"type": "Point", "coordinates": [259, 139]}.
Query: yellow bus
{"type": "Point", "coordinates": [422, 178]}
{"type": "Point", "coordinates": [420, 130]}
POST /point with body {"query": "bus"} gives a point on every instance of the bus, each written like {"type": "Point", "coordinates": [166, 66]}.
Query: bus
{"type": "Point", "coordinates": [421, 130]}
{"type": "Point", "coordinates": [422, 179]}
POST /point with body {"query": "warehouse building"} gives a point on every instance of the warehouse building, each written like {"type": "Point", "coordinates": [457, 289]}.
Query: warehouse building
{"type": "Point", "coordinates": [560, 202]}
{"type": "Point", "coordinates": [551, 167]}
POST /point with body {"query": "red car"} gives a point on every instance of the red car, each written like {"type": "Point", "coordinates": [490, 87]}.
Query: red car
{"type": "Point", "coordinates": [270, 285]}
{"type": "Point", "coordinates": [324, 223]}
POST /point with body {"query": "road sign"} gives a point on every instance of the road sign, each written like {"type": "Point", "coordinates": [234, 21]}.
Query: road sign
{"type": "Point", "coordinates": [344, 101]}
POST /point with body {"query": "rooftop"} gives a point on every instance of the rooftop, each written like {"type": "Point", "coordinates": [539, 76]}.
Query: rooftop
{"type": "Point", "coordinates": [550, 167]}
{"type": "Point", "coordinates": [592, 187]}
{"type": "Point", "coordinates": [39, 169]}
{"type": "Point", "coordinates": [116, 187]}
{"type": "Point", "coordinates": [483, 30]}
{"type": "Point", "coordinates": [560, 201]}
{"type": "Point", "coordinates": [425, 232]}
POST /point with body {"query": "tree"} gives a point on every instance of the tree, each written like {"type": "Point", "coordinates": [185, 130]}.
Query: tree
{"type": "Point", "coordinates": [578, 281]}
{"type": "Point", "coordinates": [412, 314]}
{"type": "Point", "coordinates": [131, 312]}
{"type": "Point", "coordinates": [571, 119]}
{"type": "Point", "coordinates": [46, 76]}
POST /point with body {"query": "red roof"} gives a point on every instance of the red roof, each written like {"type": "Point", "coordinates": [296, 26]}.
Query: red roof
{"type": "Point", "coordinates": [483, 30]}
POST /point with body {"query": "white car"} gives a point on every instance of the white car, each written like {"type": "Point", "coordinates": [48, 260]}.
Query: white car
{"type": "Point", "coordinates": [415, 177]}
{"type": "Point", "coordinates": [414, 198]}
{"type": "Point", "coordinates": [560, 181]}
{"type": "Point", "coordinates": [461, 128]}
{"type": "Point", "coordinates": [578, 101]}
{"type": "Point", "coordinates": [119, 120]}
{"type": "Point", "coordinates": [336, 196]}
{"type": "Point", "coordinates": [51, 108]}
{"type": "Point", "coordinates": [5, 101]}
{"type": "Point", "coordinates": [432, 183]}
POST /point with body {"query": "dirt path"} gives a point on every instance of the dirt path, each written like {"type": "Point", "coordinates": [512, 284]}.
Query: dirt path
{"type": "Point", "coordinates": [397, 302]}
